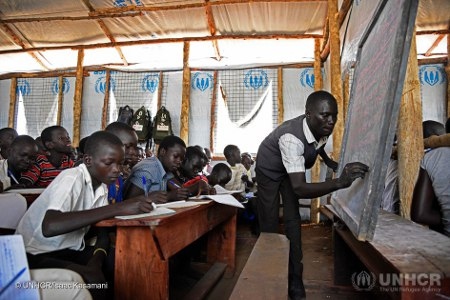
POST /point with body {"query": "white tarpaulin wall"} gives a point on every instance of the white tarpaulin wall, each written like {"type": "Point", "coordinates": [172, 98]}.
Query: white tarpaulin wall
{"type": "Point", "coordinates": [246, 131]}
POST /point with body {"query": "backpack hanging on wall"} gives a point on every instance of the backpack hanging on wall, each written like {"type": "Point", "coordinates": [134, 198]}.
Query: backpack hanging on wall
{"type": "Point", "coordinates": [142, 124]}
{"type": "Point", "coordinates": [125, 114]}
{"type": "Point", "coordinates": [162, 125]}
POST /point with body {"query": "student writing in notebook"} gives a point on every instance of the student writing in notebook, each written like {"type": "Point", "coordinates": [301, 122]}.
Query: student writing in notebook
{"type": "Point", "coordinates": [153, 173]}
{"type": "Point", "coordinates": [55, 225]}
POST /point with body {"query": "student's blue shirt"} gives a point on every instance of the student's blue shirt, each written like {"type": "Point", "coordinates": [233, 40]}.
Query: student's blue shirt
{"type": "Point", "coordinates": [153, 171]}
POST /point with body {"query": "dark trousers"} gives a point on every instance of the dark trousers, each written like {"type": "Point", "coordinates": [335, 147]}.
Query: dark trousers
{"type": "Point", "coordinates": [269, 192]}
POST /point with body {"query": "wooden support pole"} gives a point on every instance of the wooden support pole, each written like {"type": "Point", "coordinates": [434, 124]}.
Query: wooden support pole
{"type": "Point", "coordinates": [160, 90]}
{"type": "Point", "coordinates": [410, 138]}
{"type": "Point", "coordinates": [77, 99]}
{"type": "Point", "coordinates": [213, 113]}
{"type": "Point", "coordinates": [280, 96]}
{"type": "Point", "coordinates": [60, 99]}
{"type": "Point", "coordinates": [314, 213]}
{"type": "Point", "coordinates": [336, 82]}
{"type": "Point", "coordinates": [106, 99]}
{"type": "Point", "coordinates": [12, 102]}
{"type": "Point", "coordinates": [185, 99]}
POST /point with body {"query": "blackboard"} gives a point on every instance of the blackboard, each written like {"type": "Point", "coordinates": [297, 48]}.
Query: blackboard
{"type": "Point", "coordinates": [373, 111]}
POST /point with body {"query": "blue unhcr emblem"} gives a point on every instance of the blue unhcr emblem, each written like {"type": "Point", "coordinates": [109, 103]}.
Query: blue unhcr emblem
{"type": "Point", "coordinates": [65, 88]}
{"type": "Point", "coordinates": [255, 79]}
{"type": "Point", "coordinates": [431, 75]}
{"type": "Point", "coordinates": [23, 87]}
{"type": "Point", "coordinates": [100, 85]}
{"type": "Point", "coordinates": [150, 83]}
{"type": "Point", "coordinates": [202, 81]}
{"type": "Point", "coordinates": [307, 77]}
{"type": "Point", "coordinates": [123, 3]}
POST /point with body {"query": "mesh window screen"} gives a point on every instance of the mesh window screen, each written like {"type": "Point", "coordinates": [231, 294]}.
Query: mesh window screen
{"type": "Point", "coordinates": [246, 109]}
{"type": "Point", "coordinates": [134, 90]}
{"type": "Point", "coordinates": [36, 104]}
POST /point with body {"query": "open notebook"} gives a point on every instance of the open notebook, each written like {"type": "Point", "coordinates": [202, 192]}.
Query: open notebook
{"type": "Point", "coordinates": [15, 281]}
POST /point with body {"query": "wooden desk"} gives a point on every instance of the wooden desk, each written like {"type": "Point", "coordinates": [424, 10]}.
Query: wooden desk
{"type": "Point", "coordinates": [144, 246]}
{"type": "Point", "coordinates": [399, 247]}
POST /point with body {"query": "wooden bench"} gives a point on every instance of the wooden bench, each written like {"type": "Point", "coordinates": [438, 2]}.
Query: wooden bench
{"type": "Point", "coordinates": [405, 260]}
{"type": "Point", "coordinates": [265, 275]}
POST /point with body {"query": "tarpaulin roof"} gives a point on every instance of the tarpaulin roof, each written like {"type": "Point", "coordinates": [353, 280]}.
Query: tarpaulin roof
{"type": "Point", "coordinates": [150, 34]}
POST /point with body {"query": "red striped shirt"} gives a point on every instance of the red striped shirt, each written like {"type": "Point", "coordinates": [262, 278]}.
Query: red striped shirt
{"type": "Point", "coordinates": [43, 172]}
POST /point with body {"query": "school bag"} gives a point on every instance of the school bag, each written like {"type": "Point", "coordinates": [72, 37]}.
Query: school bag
{"type": "Point", "coordinates": [125, 114]}
{"type": "Point", "coordinates": [142, 124]}
{"type": "Point", "coordinates": [162, 125]}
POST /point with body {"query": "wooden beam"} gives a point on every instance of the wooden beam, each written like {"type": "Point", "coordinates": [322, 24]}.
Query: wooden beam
{"type": "Point", "coordinates": [434, 45]}
{"type": "Point", "coordinates": [60, 99]}
{"type": "Point", "coordinates": [160, 90]}
{"type": "Point", "coordinates": [213, 113]}
{"type": "Point", "coordinates": [168, 40]}
{"type": "Point", "coordinates": [430, 61]}
{"type": "Point", "coordinates": [447, 70]}
{"type": "Point", "coordinates": [409, 133]}
{"type": "Point", "coordinates": [20, 43]}
{"type": "Point", "coordinates": [314, 213]}
{"type": "Point", "coordinates": [41, 74]}
{"type": "Point", "coordinates": [336, 81]}
{"type": "Point", "coordinates": [212, 28]}
{"type": "Point", "coordinates": [77, 104]}
{"type": "Point", "coordinates": [12, 102]}
{"type": "Point", "coordinates": [106, 31]}
{"type": "Point", "coordinates": [185, 98]}
{"type": "Point", "coordinates": [424, 32]}
{"type": "Point", "coordinates": [106, 99]}
{"type": "Point", "coordinates": [280, 96]}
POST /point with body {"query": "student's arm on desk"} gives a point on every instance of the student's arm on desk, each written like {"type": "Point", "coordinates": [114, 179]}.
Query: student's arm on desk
{"type": "Point", "coordinates": [306, 190]}
{"type": "Point", "coordinates": [436, 141]}
{"type": "Point", "coordinates": [422, 209]}
{"type": "Point", "coordinates": [56, 222]}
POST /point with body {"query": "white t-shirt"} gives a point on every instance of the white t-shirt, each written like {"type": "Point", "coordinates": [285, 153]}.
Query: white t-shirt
{"type": "Point", "coordinates": [4, 174]}
{"type": "Point", "coordinates": [70, 191]}
{"type": "Point", "coordinates": [236, 183]}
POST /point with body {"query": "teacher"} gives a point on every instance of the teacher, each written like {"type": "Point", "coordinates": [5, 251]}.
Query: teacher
{"type": "Point", "coordinates": [281, 163]}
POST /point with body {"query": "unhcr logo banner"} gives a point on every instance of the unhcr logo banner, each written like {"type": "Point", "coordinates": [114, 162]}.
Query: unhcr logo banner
{"type": "Point", "coordinates": [433, 88]}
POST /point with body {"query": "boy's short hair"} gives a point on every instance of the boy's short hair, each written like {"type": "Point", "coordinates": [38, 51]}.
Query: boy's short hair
{"type": "Point", "coordinates": [193, 151]}
{"type": "Point", "coordinates": [229, 149]}
{"type": "Point", "coordinates": [222, 173]}
{"type": "Point", "coordinates": [21, 141]}
{"type": "Point", "coordinates": [82, 144]}
{"type": "Point", "coordinates": [8, 132]}
{"type": "Point", "coordinates": [116, 127]}
{"type": "Point", "coordinates": [98, 140]}
{"type": "Point", "coordinates": [170, 141]}
{"type": "Point", "coordinates": [47, 133]}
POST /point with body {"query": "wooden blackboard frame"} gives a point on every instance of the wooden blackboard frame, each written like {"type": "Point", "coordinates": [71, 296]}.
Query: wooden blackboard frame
{"type": "Point", "coordinates": [373, 111]}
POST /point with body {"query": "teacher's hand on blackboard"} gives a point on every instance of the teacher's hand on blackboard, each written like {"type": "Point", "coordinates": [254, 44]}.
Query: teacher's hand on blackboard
{"type": "Point", "coordinates": [351, 172]}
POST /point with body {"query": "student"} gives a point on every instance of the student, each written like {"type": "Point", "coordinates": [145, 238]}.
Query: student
{"type": "Point", "coordinates": [239, 173]}
{"type": "Point", "coordinates": [220, 174]}
{"type": "Point", "coordinates": [7, 135]}
{"type": "Point", "coordinates": [430, 204]}
{"type": "Point", "coordinates": [208, 168]}
{"type": "Point", "coordinates": [57, 142]}
{"type": "Point", "coordinates": [281, 163]}
{"type": "Point", "coordinates": [154, 172]}
{"type": "Point", "coordinates": [55, 225]}
{"type": "Point", "coordinates": [247, 162]}
{"type": "Point", "coordinates": [189, 174]}
{"type": "Point", "coordinates": [41, 148]}
{"type": "Point", "coordinates": [81, 146]}
{"type": "Point", "coordinates": [22, 154]}
{"type": "Point", "coordinates": [129, 138]}
{"type": "Point", "coordinates": [439, 139]}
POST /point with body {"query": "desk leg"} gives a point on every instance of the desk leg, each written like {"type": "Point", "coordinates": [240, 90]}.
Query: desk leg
{"type": "Point", "coordinates": [222, 244]}
{"type": "Point", "coordinates": [140, 270]}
